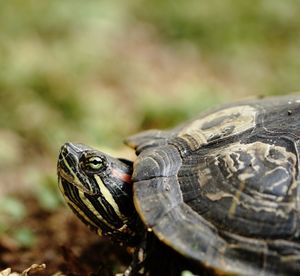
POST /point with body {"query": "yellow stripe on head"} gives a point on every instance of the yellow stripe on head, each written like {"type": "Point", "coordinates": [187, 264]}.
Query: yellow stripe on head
{"type": "Point", "coordinates": [108, 196]}
{"type": "Point", "coordinates": [75, 180]}
{"type": "Point", "coordinates": [93, 210]}
{"type": "Point", "coordinates": [81, 213]}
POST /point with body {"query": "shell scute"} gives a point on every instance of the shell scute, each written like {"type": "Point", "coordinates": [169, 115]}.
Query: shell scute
{"type": "Point", "coordinates": [161, 161]}
{"type": "Point", "coordinates": [223, 189]}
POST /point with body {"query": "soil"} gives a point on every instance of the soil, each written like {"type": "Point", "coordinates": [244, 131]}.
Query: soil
{"type": "Point", "coordinates": [63, 244]}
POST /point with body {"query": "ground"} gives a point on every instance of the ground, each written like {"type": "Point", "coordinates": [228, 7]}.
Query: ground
{"type": "Point", "coordinates": [63, 244]}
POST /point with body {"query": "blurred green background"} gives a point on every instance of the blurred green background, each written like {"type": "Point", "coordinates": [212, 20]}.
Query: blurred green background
{"type": "Point", "coordinates": [97, 71]}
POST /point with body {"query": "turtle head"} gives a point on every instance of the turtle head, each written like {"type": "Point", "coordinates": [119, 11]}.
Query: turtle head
{"type": "Point", "coordinates": [98, 189]}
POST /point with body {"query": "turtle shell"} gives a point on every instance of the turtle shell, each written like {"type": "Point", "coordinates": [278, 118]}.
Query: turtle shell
{"type": "Point", "coordinates": [223, 189]}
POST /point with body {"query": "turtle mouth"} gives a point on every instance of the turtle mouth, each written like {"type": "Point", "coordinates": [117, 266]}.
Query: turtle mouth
{"type": "Point", "coordinates": [66, 178]}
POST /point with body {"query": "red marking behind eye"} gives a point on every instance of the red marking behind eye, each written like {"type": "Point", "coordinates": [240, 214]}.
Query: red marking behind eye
{"type": "Point", "coordinates": [121, 175]}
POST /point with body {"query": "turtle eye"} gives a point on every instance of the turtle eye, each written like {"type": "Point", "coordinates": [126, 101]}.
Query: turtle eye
{"type": "Point", "coordinates": [95, 163]}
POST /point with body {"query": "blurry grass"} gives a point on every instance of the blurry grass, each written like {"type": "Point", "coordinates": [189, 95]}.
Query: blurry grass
{"type": "Point", "coordinates": [13, 208]}
{"type": "Point", "coordinates": [97, 71]}
{"type": "Point", "coordinates": [65, 76]}
{"type": "Point", "coordinates": [12, 212]}
{"type": "Point", "coordinates": [47, 195]}
{"type": "Point", "coordinates": [24, 237]}
{"type": "Point", "coordinates": [254, 41]}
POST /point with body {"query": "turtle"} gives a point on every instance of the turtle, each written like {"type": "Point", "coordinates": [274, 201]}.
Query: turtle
{"type": "Point", "coordinates": [220, 190]}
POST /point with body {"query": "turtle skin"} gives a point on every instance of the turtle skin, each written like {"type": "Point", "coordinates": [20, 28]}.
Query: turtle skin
{"type": "Point", "coordinates": [223, 189]}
